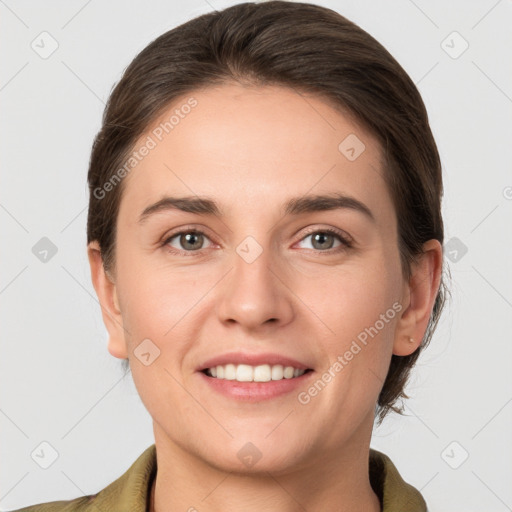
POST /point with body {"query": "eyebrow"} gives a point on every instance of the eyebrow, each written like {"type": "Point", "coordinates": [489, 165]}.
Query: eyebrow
{"type": "Point", "coordinates": [294, 206]}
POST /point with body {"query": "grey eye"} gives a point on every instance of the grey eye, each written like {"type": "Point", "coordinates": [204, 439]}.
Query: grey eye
{"type": "Point", "coordinates": [188, 240]}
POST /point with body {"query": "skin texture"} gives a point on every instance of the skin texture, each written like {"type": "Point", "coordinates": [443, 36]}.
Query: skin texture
{"type": "Point", "coordinates": [251, 149]}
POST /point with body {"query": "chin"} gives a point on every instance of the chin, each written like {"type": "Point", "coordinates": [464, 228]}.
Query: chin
{"type": "Point", "coordinates": [258, 455]}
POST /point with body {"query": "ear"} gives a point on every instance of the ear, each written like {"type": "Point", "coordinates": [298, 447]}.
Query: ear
{"type": "Point", "coordinates": [418, 299]}
{"type": "Point", "coordinates": [107, 296]}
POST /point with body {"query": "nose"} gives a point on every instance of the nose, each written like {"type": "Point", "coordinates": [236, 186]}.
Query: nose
{"type": "Point", "coordinates": [256, 294]}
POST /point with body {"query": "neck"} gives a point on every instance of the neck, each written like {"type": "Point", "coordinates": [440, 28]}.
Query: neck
{"type": "Point", "coordinates": [337, 481]}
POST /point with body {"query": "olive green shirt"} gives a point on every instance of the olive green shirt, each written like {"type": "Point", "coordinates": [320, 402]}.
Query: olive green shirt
{"type": "Point", "coordinates": [131, 491]}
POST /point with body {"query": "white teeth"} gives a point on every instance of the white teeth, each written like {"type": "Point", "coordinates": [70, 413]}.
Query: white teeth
{"type": "Point", "coordinates": [262, 373]}
{"type": "Point", "coordinates": [244, 373]}
{"type": "Point", "coordinates": [277, 372]}
{"type": "Point", "coordinates": [288, 372]}
{"type": "Point", "coordinates": [230, 372]}
{"type": "Point", "coordinates": [247, 373]}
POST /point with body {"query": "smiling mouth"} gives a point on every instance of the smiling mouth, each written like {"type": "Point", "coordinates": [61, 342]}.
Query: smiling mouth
{"type": "Point", "coordinates": [260, 373]}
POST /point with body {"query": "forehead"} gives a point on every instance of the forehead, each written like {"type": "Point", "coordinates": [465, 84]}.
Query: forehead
{"type": "Point", "coordinates": [249, 146]}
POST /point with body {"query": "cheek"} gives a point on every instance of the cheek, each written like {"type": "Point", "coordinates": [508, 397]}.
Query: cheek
{"type": "Point", "coordinates": [358, 307]}
{"type": "Point", "coordinates": [155, 313]}
{"type": "Point", "coordinates": [359, 310]}
{"type": "Point", "coordinates": [154, 296]}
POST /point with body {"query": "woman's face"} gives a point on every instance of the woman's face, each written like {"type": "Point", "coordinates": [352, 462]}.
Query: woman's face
{"type": "Point", "coordinates": [271, 272]}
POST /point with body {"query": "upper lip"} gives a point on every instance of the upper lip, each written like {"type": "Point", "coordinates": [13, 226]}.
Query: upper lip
{"type": "Point", "coordinates": [252, 360]}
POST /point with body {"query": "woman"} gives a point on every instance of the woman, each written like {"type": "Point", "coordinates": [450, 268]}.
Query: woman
{"type": "Point", "coordinates": [232, 149]}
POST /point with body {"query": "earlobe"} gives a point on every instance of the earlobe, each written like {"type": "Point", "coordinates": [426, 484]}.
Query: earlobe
{"type": "Point", "coordinates": [420, 295]}
{"type": "Point", "coordinates": [106, 291]}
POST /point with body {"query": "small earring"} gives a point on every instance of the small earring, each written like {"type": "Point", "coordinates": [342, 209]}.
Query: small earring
{"type": "Point", "coordinates": [411, 340]}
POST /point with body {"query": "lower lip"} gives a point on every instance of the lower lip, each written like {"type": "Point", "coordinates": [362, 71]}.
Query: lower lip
{"type": "Point", "coordinates": [255, 391]}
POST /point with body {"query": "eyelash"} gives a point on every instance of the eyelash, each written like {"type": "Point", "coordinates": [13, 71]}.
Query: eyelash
{"type": "Point", "coordinates": [346, 242]}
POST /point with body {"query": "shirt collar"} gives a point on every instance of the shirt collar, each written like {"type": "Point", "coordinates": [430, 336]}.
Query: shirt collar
{"type": "Point", "coordinates": [131, 491]}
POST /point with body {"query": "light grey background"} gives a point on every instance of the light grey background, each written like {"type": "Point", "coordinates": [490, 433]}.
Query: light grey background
{"type": "Point", "coordinates": [59, 383]}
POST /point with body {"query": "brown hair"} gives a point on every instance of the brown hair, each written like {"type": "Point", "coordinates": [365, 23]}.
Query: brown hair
{"type": "Point", "coordinates": [311, 49]}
